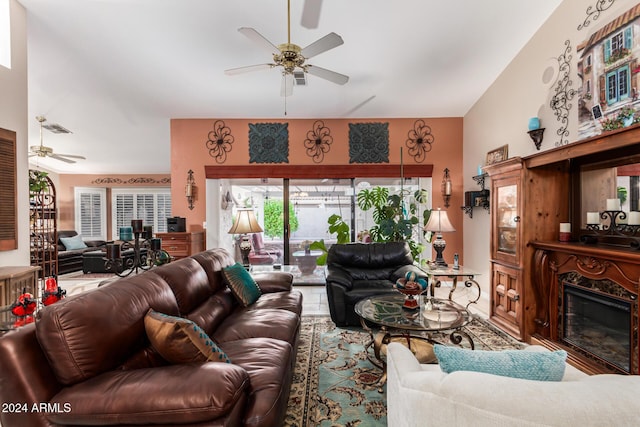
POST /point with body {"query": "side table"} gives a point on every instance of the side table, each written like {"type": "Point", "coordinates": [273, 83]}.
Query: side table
{"type": "Point", "coordinates": [436, 275]}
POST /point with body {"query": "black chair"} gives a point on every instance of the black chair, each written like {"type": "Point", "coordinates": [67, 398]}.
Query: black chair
{"type": "Point", "coordinates": [358, 270]}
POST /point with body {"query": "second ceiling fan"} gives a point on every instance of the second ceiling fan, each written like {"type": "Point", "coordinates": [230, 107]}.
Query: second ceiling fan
{"type": "Point", "coordinates": [292, 58]}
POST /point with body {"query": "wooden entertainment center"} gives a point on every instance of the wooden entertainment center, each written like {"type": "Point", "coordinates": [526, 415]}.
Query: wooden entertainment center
{"type": "Point", "coordinates": [530, 267]}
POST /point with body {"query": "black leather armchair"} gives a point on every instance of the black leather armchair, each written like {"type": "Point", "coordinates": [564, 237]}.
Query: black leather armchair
{"type": "Point", "coordinates": [359, 270]}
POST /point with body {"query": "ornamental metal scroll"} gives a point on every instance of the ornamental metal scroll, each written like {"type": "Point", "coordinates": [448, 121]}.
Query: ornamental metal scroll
{"type": "Point", "coordinates": [419, 140]}
{"type": "Point", "coordinates": [220, 141]}
{"type": "Point", "coordinates": [368, 142]}
{"type": "Point", "coordinates": [560, 103]}
{"type": "Point", "coordinates": [134, 181]}
{"type": "Point", "coordinates": [594, 13]}
{"type": "Point", "coordinates": [318, 141]}
{"type": "Point", "coordinates": [268, 143]}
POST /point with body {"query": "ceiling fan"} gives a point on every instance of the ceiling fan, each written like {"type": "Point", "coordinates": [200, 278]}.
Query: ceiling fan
{"type": "Point", "coordinates": [44, 151]}
{"type": "Point", "coordinates": [292, 58]}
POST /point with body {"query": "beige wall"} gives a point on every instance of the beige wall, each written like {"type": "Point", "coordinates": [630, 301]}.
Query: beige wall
{"type": "Point", "coordinates": [501, 115]}
{"type": "Point", "coordinates": [13, 116]}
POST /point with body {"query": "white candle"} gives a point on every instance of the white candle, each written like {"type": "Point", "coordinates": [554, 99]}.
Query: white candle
{"type": "Point", "coordinates": [613, 204]}
{"type": "Point", "coordinates": [634, 218]}
{"type": "Point", "coordinates": [593, 218]}
{"type": "Point", "coordinates": [565, 227]}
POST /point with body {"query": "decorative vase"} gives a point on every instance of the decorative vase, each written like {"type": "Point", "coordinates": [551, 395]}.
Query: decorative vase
{"type": "Point", "coordinates": [627, 121]}
{"type": "Point", "coordinates": [410, 286]}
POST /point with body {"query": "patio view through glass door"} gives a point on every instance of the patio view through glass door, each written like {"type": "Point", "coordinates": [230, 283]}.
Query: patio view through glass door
{"type": "Point", "coordinates": [293, 213]}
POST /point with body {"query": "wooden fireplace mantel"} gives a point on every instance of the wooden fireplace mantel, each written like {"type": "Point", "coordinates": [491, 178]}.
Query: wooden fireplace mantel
{"type": "Point", "coordinates": [552, 259]}
{"type": "Point", "coordinates": [550, 182]}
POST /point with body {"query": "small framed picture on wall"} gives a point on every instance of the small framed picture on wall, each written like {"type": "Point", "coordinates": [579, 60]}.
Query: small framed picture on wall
{"type": "Point", "coordinates": [498, 155]}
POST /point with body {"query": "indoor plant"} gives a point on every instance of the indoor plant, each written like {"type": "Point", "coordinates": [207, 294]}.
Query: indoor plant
{"type": "Point", "coordinates": [395, 215]}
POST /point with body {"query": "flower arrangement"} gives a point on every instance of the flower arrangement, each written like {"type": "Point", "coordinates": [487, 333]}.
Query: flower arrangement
{"type": "Point", "coordinates": [626, 112]}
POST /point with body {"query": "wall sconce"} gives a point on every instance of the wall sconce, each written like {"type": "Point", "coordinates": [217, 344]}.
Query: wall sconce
{"type": "Point", "coordinates": [446, 187]}
{"type": "Point", "coordinates": [535, 131]}
{"type": "Point", "coordinates": [190, 188]}
{"type": "Point", "coordinates": [536, 136]}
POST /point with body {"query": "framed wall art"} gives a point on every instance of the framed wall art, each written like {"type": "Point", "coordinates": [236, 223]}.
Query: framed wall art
{"type": "Point", "coordinates": [498, 155]}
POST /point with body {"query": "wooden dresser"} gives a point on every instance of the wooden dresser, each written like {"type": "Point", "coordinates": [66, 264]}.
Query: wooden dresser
{"type": "Point", "coordinates": [14, 279]}
{"type": "Point", "coordinates": [182, 244]}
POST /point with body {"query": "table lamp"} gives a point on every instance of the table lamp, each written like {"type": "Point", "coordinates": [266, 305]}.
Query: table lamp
{"type": "Point", "coordinates": [245, 224]}
{"type": "Point", "coordinates": [439, 223]}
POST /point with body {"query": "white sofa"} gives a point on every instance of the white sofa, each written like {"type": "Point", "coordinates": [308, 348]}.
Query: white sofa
{"type": "Point", "coordinates": [423, 395]}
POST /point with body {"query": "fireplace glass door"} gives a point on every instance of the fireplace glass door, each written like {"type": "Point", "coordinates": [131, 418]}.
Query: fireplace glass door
{"type": "Point", "coordinates": [598, 325]}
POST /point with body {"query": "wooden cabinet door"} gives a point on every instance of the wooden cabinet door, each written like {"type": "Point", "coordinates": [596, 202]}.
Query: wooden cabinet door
{"type": "Point", "coordinates": [506, 304]}
{"type": "Point", "coordinates": [505, 207]}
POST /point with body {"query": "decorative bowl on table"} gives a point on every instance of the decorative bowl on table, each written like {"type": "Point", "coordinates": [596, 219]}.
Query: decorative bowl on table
{"type": "Point", "coordinates": [410, 286]}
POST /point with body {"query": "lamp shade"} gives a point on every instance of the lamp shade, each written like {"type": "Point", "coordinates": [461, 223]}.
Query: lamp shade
{"type": "Point", "coordinates": [245, 222]}
{"type": "Point", "coordinates": [439, 222]}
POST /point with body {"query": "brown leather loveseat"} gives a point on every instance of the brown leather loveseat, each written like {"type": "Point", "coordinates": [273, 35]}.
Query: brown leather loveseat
{"type": "Point", "coordinates": [87, 360]}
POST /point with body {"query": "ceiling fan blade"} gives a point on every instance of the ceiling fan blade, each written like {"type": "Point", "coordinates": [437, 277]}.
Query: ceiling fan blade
{"type": "Point", "coordinates": [323, 44]}
{"type": "Point", "coordinates": [247, 69]}
{"type": "Point", "coordinates": [73, 156]}
{"type": "Point", "coordinates": [64, 159]}
{"type": "Point", "coordinates": [311, 13]}
{"type": "Point", "coordinates": [332, 76]}
{"type": "Point", "coordinates": [286, 89]}
{"type": "Point", "coordinates": [259, 39]}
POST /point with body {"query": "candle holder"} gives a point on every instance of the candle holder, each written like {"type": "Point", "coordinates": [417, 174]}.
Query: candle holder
{"type": "Point", "coordinates": [146, 251]}
{"type": "Point", "coordinates": [613, 233]}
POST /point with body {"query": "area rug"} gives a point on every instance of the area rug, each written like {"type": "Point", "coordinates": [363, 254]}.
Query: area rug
{"type": "Point", "coordinates": [335, 385]}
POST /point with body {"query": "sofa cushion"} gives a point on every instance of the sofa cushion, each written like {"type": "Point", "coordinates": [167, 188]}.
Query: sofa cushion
{"type": "Point", "coordinates": [548, 366]}
{"type": "Point", "coordinates": [72, 243]}
{"type": "Point", "coordinates": [180, 340]}
{"type": "Point", "coordinates": [169, 395]}
{"type": "Point", "coordinates": [244, 288]}
{"type": "Point", "coordinates": [93, 332]}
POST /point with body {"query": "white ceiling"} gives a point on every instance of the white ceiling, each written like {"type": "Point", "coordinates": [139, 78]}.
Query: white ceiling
{"type": "Point", "coordinates": [115, 71]}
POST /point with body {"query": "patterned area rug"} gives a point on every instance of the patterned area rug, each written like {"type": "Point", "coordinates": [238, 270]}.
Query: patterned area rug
{"type": "Point", "coordinates": [334, 382]}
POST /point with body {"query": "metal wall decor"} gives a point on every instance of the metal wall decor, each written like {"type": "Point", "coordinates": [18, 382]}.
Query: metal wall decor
{"type": "Point", "coordinates": [594, 12]}
{"type": "Point", "coordinates": [560, 103]}
{"type": "Point", "coordinates": [318, 141]}
{"type": "Point", "coordinates": [268, 143]}
{"type": "Point", "coordinates": [134, 181]}
{"type": "Point", "coordinates": [419, 140]}
{"type": "Point", "coordinates": [220, 141]}
{"type": "Point", "coordinates": [368, 142]}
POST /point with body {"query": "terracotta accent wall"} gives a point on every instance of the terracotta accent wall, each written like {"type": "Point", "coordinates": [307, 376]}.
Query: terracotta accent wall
{"type": "Point", "coordinates": [65, 190]}
{"type": "Point", "coordinates": [189, 151]}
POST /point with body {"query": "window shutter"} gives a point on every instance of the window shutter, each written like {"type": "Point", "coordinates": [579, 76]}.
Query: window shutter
{"type": "Point", "coordinates": [607, 50]}
{"type": "Point", "coordinates": [91, 212]}
{"type": "Point", "coordinates": [151, 205]}
{"type": "Point", "coordinates": [628, 40]}
{"type": "Point", "coordinates": [163, 212]}
{"type": "Point", "coordinates": [8, 205]}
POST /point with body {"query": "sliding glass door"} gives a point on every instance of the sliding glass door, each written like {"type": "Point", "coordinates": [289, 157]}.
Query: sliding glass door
{"type": "Point", "coordinates": [294, 213]}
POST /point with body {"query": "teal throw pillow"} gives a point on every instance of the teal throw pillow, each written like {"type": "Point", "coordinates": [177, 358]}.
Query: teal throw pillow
{"type": "Point", "coordinates": [71, 243]}
{"type": "Point", "coordinates": [179, 340]}
{"type": "Point", "coordinates": [242, 285]}
{"type": "Point", "coordinates": [543, 366]}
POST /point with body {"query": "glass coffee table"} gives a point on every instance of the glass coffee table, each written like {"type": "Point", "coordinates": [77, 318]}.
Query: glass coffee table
{"type": "Point", "coordinates": [434, 322]}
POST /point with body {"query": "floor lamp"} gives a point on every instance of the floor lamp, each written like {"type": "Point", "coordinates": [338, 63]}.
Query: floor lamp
{"type": "Point", "coordinates": [245, 224]}
{"type": "Point", "coordinates": [439, 223]}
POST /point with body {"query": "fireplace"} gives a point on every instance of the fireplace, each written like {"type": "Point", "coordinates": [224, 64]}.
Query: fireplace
{"type": "Point", "coordinates": [586, 302]}
{"type": "Point", "coordinates": [597, 325]}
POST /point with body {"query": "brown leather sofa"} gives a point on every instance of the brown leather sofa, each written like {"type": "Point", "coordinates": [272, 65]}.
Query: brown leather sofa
{"type": "Point", "coordinates": [87, 359]}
